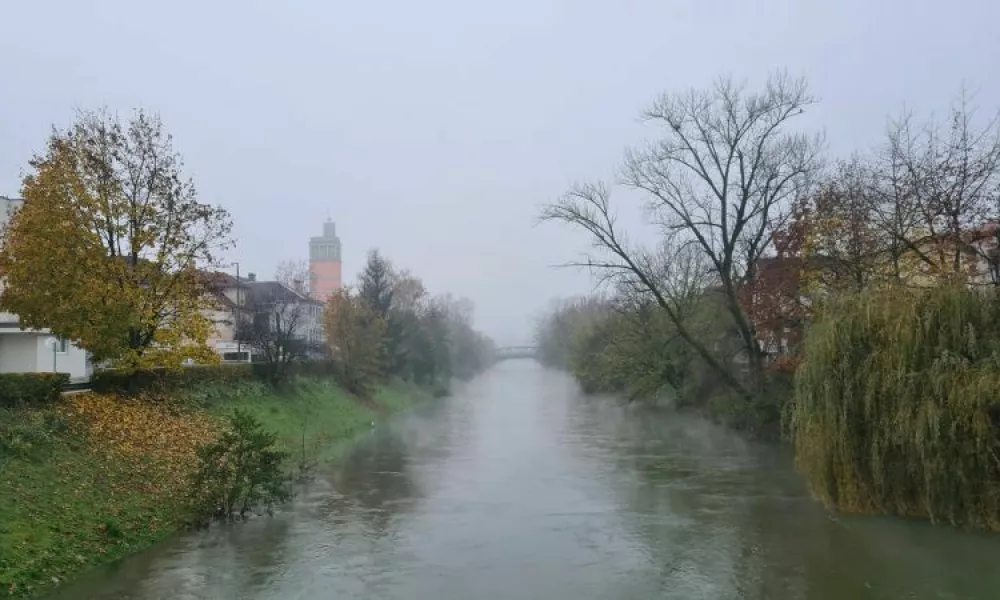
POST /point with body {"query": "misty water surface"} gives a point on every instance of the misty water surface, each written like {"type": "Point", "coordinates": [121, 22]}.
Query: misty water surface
{"type": "Point", "coordinates": [519, 487]}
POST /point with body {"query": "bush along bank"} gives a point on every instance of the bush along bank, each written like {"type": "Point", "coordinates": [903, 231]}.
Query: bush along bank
{"type": "Point", "coordinates": [633, 351]}
{"type": "Point", "coordinates": [893, 407]}
{"type": "Point", "coordinates": [896, 409]}
{"type": "Point", "coordinates": [97, 476]}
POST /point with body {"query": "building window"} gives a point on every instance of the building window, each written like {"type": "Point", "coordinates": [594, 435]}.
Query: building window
{"type": "Point", "coordinates": [62, 345]}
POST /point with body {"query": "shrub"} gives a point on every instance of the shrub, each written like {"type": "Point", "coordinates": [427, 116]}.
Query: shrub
{"type": "Point", "coordinates": [440, 389]}
{"type": "Point", "coordinates": [28, 434]}
{"type": "Point", "coordinates": [133, 383]}
{"type": "Point", "coordinates": [240, 471]}
{"type": "Point", "coordinates": [21, 389]}
{"type": "Point", "coordinates": [896, 405]}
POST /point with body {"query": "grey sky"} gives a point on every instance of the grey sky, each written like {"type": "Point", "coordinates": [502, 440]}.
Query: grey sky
{"type": "Point", "coordinates": [434, 130]}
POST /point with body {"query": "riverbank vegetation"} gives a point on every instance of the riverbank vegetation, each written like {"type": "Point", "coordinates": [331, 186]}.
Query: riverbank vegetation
{"type": "Point", "coordinates": [897, 408]}
{"type": "Point", "coordinates": [389, 326]}
{"type": "Point", "coordinates": [92, 477]}
{"type": "Point", "coordinates": [98, 476]}
{"type": "Point", "coordinates": [851, 301]}
{"type": "Point", "coordinates": [112, 250]}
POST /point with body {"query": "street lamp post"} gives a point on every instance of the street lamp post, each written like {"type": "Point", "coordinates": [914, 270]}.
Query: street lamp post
{"type": "Point", "coordinates": [239, 314]}
{"type": "Point", "coordinates": [54, 342]}
{"type": "Point", "coordinates": [237, 332]}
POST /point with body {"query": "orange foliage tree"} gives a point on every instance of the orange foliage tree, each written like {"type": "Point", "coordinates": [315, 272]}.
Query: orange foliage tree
{"type": "Point", "coordinates": [106, 248]}
{"type": "Point", "coordinates": [356, 335]}
{"type": "Point", "coordinates": [773, 297]}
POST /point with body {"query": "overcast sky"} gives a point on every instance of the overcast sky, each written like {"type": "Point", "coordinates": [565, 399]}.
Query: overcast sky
{"type": "Point", "coordinates": [434, 130]}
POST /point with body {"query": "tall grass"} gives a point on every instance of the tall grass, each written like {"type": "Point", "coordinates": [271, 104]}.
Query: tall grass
{"type": "Point", "coordinates": [897, 405]}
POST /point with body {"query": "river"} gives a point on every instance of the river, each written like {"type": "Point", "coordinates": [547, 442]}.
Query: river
{"type": "Point", "coordinates": [519, 487]}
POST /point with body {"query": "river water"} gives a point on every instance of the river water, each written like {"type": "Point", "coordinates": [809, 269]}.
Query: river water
{"type": "Point", "coordinates": [519, 487]}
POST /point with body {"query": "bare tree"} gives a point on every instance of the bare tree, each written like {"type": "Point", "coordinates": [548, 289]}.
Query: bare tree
{"type": "Point", "coordinates": [848, 248]}
{"type": "Point", "coordinates": [721, 180]}
{"type": "Point", "coordinates": [294, 274]}
{"type": "Point", "coordinates": [275, 325]}
{"type": "Point", "coordinates": [937, 191]}
{"type": "Point", "coordinates": [724, 176]}
{"type": "Point", "coordinates": [631, 267]}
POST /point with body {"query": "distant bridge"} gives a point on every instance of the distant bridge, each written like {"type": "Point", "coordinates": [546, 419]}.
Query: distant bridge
{"type": "Point", "coordinates": [512, 352]}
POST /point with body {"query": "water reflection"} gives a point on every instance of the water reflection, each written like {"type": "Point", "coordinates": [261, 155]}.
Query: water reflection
{"type": "Point", "coordinates": [725, 518]}
{"type": "Point", "coordinates": [375, 485]}
{"type": "Point", "coordinates": [518, 487]}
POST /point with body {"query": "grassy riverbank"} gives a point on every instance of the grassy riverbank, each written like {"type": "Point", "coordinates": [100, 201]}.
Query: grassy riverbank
{"type": "Point", "coordinates": [96, 478]}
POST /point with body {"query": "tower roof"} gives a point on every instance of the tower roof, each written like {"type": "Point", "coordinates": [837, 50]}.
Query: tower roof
{"type": "Point", "coordinates": [329, 234]}
{"type": "Point", "coordinates": [325, 247]}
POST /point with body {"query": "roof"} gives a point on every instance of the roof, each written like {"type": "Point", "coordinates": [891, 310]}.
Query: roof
{"type": "Point", "coordinates": [223, 300]}
{"type": "Point", "coordinates": [216, 282]}
{"type": "Point", "coordinates": [219, 279]}
{"type": "Point", "coordinates": [278, 291]}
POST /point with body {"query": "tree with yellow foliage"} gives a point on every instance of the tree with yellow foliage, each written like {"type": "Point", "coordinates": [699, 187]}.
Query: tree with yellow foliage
{"type": "Point", "coordinates": [356, 335]}
{"type": "Point", "coordinates": [106, 248]}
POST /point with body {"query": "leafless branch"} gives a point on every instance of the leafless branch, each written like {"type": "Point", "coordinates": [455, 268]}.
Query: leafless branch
{"type": "Point", "coordinates": [588, 207]}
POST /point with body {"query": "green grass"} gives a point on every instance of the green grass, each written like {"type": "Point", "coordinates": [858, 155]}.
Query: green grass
{"type": "Point", "coordinates": [311, 417]}
{"type": "Point", "coordinates": [62, 509]}
{"type": "Point", "coordinates": [399, 395]}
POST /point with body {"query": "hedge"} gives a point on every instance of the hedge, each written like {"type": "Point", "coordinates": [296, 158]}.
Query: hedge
{"type": "Point", "coordinates": [113, 381]}
{"type": "Point", "coordinates": [22, 389]}
{"type": "Point", "coordinates": [166, 380]}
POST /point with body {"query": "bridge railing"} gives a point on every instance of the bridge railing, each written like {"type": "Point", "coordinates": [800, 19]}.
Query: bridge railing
{"type": "Point", "coordinates": [516, 352]}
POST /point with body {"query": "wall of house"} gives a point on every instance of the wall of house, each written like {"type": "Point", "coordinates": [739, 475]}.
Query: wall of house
{"type": "Point", "coordinates": [312, 323]}
{"type": "Point", "coordinates": [73, 361]}
{"type": "Point", "coordinates": [222, 330]}
{"type": "Point", "coordinates": [26, 351]}
{"type": "Point", "coordinates": [19, 353]}
{"type": "Point", "coordinates": [223, 335]}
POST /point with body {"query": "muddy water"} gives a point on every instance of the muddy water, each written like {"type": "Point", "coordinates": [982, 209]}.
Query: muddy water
{"type": "Point", "coordinates": [518, 487]}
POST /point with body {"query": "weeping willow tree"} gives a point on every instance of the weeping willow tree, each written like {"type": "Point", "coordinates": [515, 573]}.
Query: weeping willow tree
{"type": "Point", "coordinates": [897, 405]}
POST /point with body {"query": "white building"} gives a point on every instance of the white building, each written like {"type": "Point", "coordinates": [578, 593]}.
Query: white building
{"type": "Point", "coordinates": [228, 307]}
{"type": "Point", "coordinates": [247, 300]}
{"type": "Point", "coordinates": [297, 311]}
{"type": "Point", "coordinates": [34, 350]}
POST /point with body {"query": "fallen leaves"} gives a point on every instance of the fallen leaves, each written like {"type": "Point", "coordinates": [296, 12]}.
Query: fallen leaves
{"type": "Point", "coordinates": [153, 439]}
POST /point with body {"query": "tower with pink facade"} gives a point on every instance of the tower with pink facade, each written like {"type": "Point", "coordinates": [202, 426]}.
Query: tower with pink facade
{"type": "Point", "coordinates": [324, 263]}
